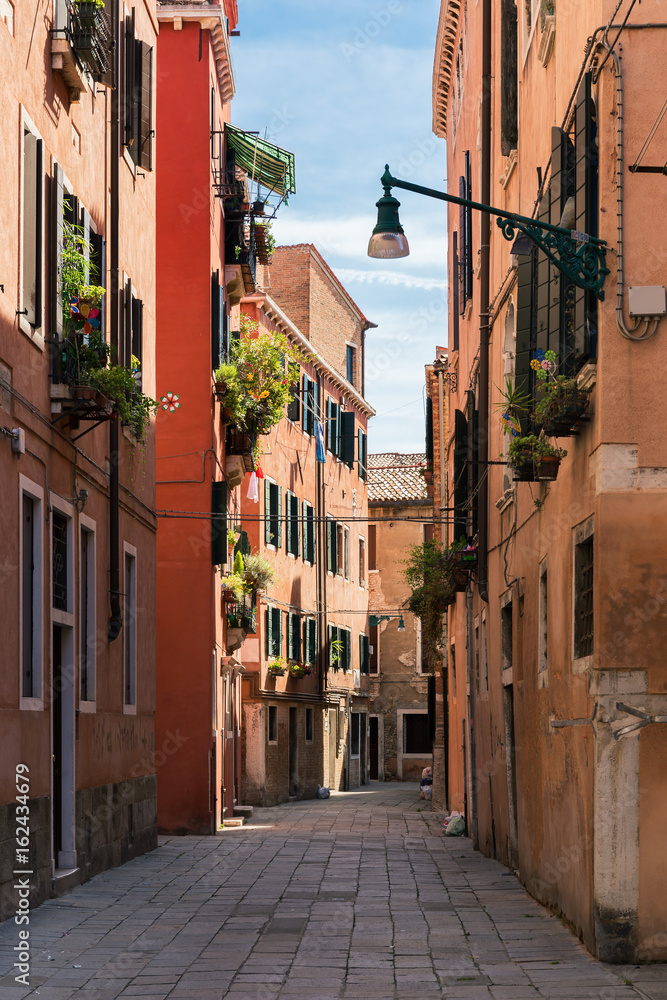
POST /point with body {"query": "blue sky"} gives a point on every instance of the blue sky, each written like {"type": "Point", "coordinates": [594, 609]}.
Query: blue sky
{"type": "Point", "coordinates": [346, 86]}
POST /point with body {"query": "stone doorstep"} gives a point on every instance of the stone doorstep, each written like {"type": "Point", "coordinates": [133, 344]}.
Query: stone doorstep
{"type": "Point", "coordinates": [245, 811]}
{"type": "Point", "coordinates": [231, 822]}
{"type": "Point", "coordinates": [64, 880]}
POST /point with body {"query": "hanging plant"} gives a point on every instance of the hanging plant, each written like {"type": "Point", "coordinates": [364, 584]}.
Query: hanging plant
{"type": "Point", "coordinates": [428, 575]}
{"type": "Point", "coordinates": [534, 458]}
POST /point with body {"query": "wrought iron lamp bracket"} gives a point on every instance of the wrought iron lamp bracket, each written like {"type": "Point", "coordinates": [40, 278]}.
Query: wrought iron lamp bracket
{"type": "Point", "coordinates": [580, 257]}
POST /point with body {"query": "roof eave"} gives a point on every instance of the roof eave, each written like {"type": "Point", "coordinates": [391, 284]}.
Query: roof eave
{"type": "Point", "coordinates": [211, 17]}
{"type": "Point", "coordinates": [445, 53]}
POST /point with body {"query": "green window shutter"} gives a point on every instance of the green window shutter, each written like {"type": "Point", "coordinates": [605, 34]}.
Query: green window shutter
{"type": "Point", "coordinates": [288, 526]}
{"type": "Point", "coordinates": [347, 438]}
{"type": "Point", "coordinates": [429, 429]}
{"type": "Point", "coordinates": [330, 425]}
{"type": "Point", "coordinates": [460, 474]}
{"type": "Point", "coordinates": [316, 403]}
{"type": "Point", "coordinates": [305, 411]}
{"type": "Point", "coordinates": [290, 636]}
{"type": "Point", "coordinates": [586, 215]}
{"type": "Point", "coordinates": [268, 616]}
{"type": "Point", "coordinates": [294, 501]}
{"type": "Point", "coordinates": [312, 641]}
{"type": "Point", "coordinates": [277, 629]}
{"type": "Point", "coordinates": [348, 649]}
{"type": "Point", "coordinates": [219, 524]}
{"type": "Point", "coordinates": [294, 405]}
{"type": "Point", "coordinates": [267, 511]}
{"type": "Point", "coordinates": [296, 636]}
{"type": "Point", "coordinates": [332, 635]}
{"type": "Point", "coordinates": [279, 516]}
{"type": "Point", "coordinates": [524, 326]}
{"type": "Point", "coordinates": [304, 530]}
{"type": "Point", "coordinates": [312, 543]}
{"type": "Point", "coordinates": [331, 548]}
{"type": "Point", "coordinates": [363, 654]}
{"type": "Point", "coordinates": [306, 640]}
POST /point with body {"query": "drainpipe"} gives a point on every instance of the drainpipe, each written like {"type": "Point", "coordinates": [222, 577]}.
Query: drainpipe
{"type": "Point", "coordinates": [115, 616]}
{"type": "Point", "coordinates": [441, 443]}
{"type": "Point", "coordinates": [321, 605]}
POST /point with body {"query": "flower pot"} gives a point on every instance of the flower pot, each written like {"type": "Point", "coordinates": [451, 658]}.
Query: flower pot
{"type": "Point", "coordinates": [523, 467]}
{"type": "Point", "coordinates": [229, 597]}
{"type": "Point", "coordinates": [565, 412]}
{"type": "Point", "coordinates": [297, 671]}
{"type": "Point", "coordinates": [547, 468]}
{"type": "Point", "coordinates": [464, 557]}
{"type": "Point", "coordinates": [92, 403]}
{"type": "Point", "coordinates": [276, 671]}
{"type": "Point", "coordinates": [220, 391]}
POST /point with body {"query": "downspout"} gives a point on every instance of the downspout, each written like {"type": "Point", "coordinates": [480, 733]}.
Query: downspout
{"type": "Point", "coordinates": [320, 514]}
{"type": "Point", "coordinates": [441, 443]}
{"type": "Point", "coordinates": [115, 616]}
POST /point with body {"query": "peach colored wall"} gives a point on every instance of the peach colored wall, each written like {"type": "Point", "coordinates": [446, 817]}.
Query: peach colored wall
{"type": "Point", "coordinates": [615, 472]}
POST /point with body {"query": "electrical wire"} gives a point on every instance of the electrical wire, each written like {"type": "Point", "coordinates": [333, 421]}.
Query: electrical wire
{"type": "Point", "coordinates": [194, 515]}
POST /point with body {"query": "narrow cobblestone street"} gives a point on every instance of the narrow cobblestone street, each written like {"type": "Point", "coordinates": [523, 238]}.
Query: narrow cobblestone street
{"type": "Point", "coordinates": [359, 897]}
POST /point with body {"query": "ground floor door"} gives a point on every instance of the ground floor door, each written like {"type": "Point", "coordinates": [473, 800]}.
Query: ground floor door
{"type": "Point", "coordinates": [293, 752]}
{"type": "Point", "coordinates": [62, 747]}
{"type": "Point", "coordinates": [374, 748]}
{"type": "Point", "coordinates": [363, 744]}
{"type": "Point", "coordinates": [333, 739]}
{"type": "Point", "coordinates": [510, 764]}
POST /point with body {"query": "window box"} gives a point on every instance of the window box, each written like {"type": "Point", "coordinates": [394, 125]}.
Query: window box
{"type": "Point", "coordinates": [90, 33]}
{"type": "Point", "coordinates": [298, 670]}
{"type": "Point", "coordinates": [563, 410]}
{"type": "Point", "coordinates": [277, 668]}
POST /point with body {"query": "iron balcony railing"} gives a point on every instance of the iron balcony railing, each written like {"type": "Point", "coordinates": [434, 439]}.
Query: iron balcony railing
{"type": "Point", "coordinates": [90, 34]}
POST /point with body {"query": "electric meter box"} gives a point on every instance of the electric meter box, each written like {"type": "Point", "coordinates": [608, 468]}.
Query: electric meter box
{"type": "Point", "coordinates": [647, 300]}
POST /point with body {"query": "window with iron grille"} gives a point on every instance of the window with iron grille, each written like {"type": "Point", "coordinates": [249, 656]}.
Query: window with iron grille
{"type": "Point", "coordinates": [583, 598]}
{"type": "Point", "coordinates": [59, 560]}
{"type": "Point", "coordinates": [273, 723]}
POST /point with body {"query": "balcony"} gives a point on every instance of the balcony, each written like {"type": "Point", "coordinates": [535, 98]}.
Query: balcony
{"type": "Point", "coordinates": [81, 44]}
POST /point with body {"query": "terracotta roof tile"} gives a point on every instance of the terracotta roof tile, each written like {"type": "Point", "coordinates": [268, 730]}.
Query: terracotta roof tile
{"type": "Point", "coordinates": [393, 476]}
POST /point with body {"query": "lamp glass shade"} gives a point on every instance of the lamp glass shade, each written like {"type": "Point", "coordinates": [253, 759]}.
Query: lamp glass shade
{"type": "Point", "coordinates": [401, 625]}
{"type": "Point", "coordinates": [388, 245]}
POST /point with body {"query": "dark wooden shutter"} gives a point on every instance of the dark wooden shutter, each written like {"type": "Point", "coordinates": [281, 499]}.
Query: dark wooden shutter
{"type": "Point", "coordinates": [126, 338]}
{"type": "Point", "coordinates": [332, 635]}
{"type": "Point", "coordinates": [373, 659]}
{"type": "Point", "coordinates": [455, 291]}
{"type": "Point", "coordinates": [290, 636]}
{"type": "Point", "coordinates": [267, 511]}
{"type": "Point", "coordinates": [55, 251]}
{"type": "Point", "coordinates": [97, 270]}
{"type": "Point", "coordinates": [468, 221]}
{"type": "Point", "coordinates": [429, 429]}
{"type": "Point", "coordinates": [130, 68]}
{"type": "Point", "coordinates": [372, 546]}
{"type": "Point", "coordinates": [295, 525]}
{"type": "Point", "coordinates": [277, 632]}
{"type": "Point", "coordinates": [305, 409]}
{"type": "Point", "coordinates": [460, 486]}
{"type": "Point", "coordinates": [279, 516]}
{"type": "Point", "coordinates": [586, 216]}
{"type": "Point", "coordinates": [431, 708]}
{"type": "Point", "coordinates": [332, 546]}
{"type": "Point", "coordinates": [509, 121]}
{"type": "Point", "coordinates": [269, 632]}
{"type": "Point", "coordinates": [145, 108]}
{"type": "Point", "coordinates": [364, 664]}
{"type": "Point", "coordinates": [316, 403]}
{"type": "Point", "coordinates": [215, 321]}
{"type": "Point", "coordinates": [463, 250]}
{"type": "Point", "coordinates": [347, 438]}
{"type": "Point", "coordinates": [288, 532]}
{"type": "Point", "coordinates": [524, 326]}
{"type": "Point", "coordinates": [362, 456]}
{"type": "Point", "coordinates": [296, 636]}
{"type": "Point", "coordinates": [137, 330]}
{"type": "Point", "coordinates": [219, 523]}
{"type": "Point", "coordinates": [313, 641]}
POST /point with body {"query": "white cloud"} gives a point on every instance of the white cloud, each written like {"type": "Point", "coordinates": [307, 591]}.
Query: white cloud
{"type": "Point", "coordinates": [345, 274]}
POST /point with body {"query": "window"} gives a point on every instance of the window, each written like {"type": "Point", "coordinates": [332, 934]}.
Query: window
{"type": "Point", "coordinates": [509, 126]}
{"type": "Point", "coordinates": [310, 640]}
{"type": "Point", "coordinates": [422, 658]}
{"type": "Point", "coordinates": [332, 546]}
{"type": "Point", "coordinates": [415, 734]}
{"type": "Point", "coordinates": [293, 622]}
{"type": "Point", "coordinates": [341, 655]}
{"type": "Point", "coordinates": [31, 595]}
{"type": "Point", "coordinates": [374, 651]}
{"type": "Point", "coordinates": [32, 251]}
{"type": "Point", "coordinates": [273, 723]}
{"type": "Point", "coordinates": [364, 654]}
{"type": "Point", "coordinates": [272, 513]}
{"type": "Point", "coordinates": [274, 635]}
{"type": "Point", "coordinates": [355, 733]}
{"type": "Point", "coordinates": [87, 614]}
{"type": "Point", "coordinates": [372, 547]}
{"type": "Point", "coordinates": [346, 552]}
{"type": "Point", "coordinates": [362, 454]}
{"type": "Point", "coordinates": [476, 654]}
{"type": "Point", "coordinates": [219, 324]}
{"type": "Point", "coordinates": [465, 238]}
{"type": "Point", "coordinates": [294, 405]}
{"type": "Point", "coordinates": [309, 550]}
{"type": "Point", "coordinates": [583, 598]}
{"type": "Point", "coordinates": [130, 629]}
{"type": "Point", "coordinates": [219, 543]}
{"type": "Point", "coordinates": [543, 638]}
{"type": "Point", "coordinates": [452, 668]}
{"type": "Point", "coordinates": [347, 438]}
{"type": "Point", "coordinates": [506, 636]}
{"type": "Point", "coordinates": [138, 98]}
{"type": "Point", "coordinates": [333, 427]}
{"type": "Point", "coordinates": [455, 291]}
{"type": "Point", "coordinates": [362, 562]}
{"type": "Point", "coordinates": [349, 363]}
{"type": "Point", "coordinates": [292, 510]}
{"type": "Point", "coordinates": [132, 334]}
{"type": "Point", "coordinates": [310, 404]}
{"type": "Point", "coordinates": [309, 725]}
{"type": "Point", "coordinates": [60, 561]}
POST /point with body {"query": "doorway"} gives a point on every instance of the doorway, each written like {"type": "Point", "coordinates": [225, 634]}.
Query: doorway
{"type": "Point", "coordinates": [363, 737]}
{"type": "Point", "coordinates": [293, 752]}
{"type": "Point", "coordinates": [510, 764]}
{"type": "Point", "coordinates": [374, 748]}
{"type": "Point", "coordinates": [333, 747]}
{"type": "Point", "coordinates": [62, 747]}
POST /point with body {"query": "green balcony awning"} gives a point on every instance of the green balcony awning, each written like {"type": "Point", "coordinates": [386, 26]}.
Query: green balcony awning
{"type": "Point", "coordinates": [264, 163]}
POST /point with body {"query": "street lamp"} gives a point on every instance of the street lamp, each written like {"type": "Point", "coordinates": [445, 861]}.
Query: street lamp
{"type": "Point", "coordinates": [374, 620]}
{"type": "Point", "coordinates": [580, 257]}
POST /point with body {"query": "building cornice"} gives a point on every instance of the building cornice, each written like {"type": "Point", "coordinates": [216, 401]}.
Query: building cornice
{"type": "Point", "coordinates": [444, 62]}
{"type": "Point", "coordinates": [212, 18]}
{"type": "Point", "coordinates": [284, 323]}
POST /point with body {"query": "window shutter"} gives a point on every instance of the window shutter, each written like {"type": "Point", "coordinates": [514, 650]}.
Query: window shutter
{"type": "Point", "coordinates": [296, 636]}
{"type": "Point", "coordinates": [277, 632]}
{"type": "Point", "coordinates": [312, 544]}
{"type": "Point", "coordinates": [295, 525]}
{"type": "Point", "coordinates": [290, 636]}
{"type": "Point", "coordinates": [288, 532]}
{"type": "Point", "coordinates": [316, 403]}
{"type": "Point", "coordinates": [463, 250]}
{"type": "Point", "coordinates": [347, 438]}
{"type": "Point", "coordinates": [136, 349]}
{"type": "Point", "coordinates": [460, 474]}
{"type": "Point", "coordinates": [329, 434]}
{"type": "Point", "coordinates": [468, 218]}
{"type": "Point", "coordinates": [215, 320]}
{"type": "Point", "coordinates": [279, 516]}
{"type": "Point", "coordinates": [267, 511]}
{"type": "Point", "coordinates": [524, 326]}
{"type": "Point", "coordinates": [97, 270]}
{"type": "Point", "coordinates": [219, 523]}
{"type": "Point", "coordinates": [586, 216]}
{"type": "Point", "coordinates": [332, 635]}
{"type": "Point", "coordinates": [56, 249]}
{"type": "Point", "coordinates": [372, 546]}
{"type": "Point", "coordinates": [146, 107]}
{"type": "Point", "coordinates": [347, 640]}
{"type": "Point", "coordinates": [363, 456]}
{"type": "Point", "coordinates": [130, 65]}
{"type": "Point", "coordinates": [455, 291]}
{"type": "Point", "coordinates": [313, 640]}
{"type": "Point", "coordinates": [269, 631]}
{"type": "Point", "coordinates": [305, 417]}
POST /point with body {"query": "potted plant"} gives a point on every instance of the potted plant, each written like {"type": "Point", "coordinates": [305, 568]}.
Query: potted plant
{"type": "Point", "coordinates": [515, 405]}
{"type": "Point", "coordinates": [534, 458]}
{"type": "Point", "coordinates": [240, 615]}
{"type": "Point", "coordinates": [563, 405]}
{"type": "Point", "coordinates": [297, 670]}
{"type": "Point", "coordinates": [428, 575]}
{"type": "Point", "coordinates": [233, 588]}
{"type": "Point", "coordinates": [265, 242]}
{"type": "Point", "coordinates": [277, 667]}
{"type": "Point", "coordinates": [427, 474]}
{"type": "Point", "coordinates": [462, 559]}
{"type": "Point", "coordinates": [336, 653]}
{"type": "Point", "coordinates": [258, 574]}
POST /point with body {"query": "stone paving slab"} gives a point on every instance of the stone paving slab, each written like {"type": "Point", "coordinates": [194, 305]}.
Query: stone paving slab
{"type": "Point", "coordinates": [358, 897]}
